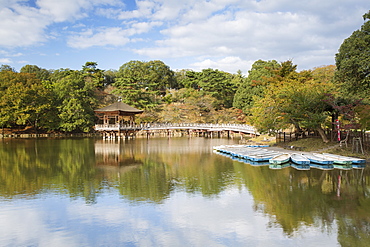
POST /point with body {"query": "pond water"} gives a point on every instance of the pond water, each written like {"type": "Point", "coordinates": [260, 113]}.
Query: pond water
{"type": "Point", "coordinates": [171, 192]}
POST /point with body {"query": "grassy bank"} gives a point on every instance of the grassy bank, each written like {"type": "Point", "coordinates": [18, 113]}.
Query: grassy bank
{"type": "Point", "coordinates": [317, 145]}
{"type": "Point", "coordinates": [310, 145]}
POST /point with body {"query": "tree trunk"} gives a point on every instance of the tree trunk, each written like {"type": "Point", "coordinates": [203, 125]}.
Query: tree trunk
{"type": "Point", "coordinates": [323, 135]}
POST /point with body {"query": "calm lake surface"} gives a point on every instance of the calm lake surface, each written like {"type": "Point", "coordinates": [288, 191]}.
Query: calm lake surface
{"type": "Point", "coordinates": [171, 192]}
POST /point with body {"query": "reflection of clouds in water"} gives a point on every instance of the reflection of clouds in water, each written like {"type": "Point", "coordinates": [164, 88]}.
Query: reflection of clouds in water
{"type": "Point", "coordinates": [207, 217]}
{"type": "Point", "coordinates": [28, 225]}
{"type": "Point", "coordinates": [182, 220]}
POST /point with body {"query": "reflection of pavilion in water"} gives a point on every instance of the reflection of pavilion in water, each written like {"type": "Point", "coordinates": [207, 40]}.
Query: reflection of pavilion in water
{"type": "Point", "coordinates": [110, 154]}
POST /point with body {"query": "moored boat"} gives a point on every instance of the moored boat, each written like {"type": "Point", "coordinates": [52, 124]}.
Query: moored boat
{"type": "Point", "coordinates": [280, 158]}
{"type": "Point", "coordinates": [262, 157]}
{"type": "Point", "coordinates": [336, 159]}
{"type": "Point", "coordinates": [353, 159]}
{"type": "Point", "coordinates": [318, 159]}
{"type": "Point", "coordinates": [299, 159]}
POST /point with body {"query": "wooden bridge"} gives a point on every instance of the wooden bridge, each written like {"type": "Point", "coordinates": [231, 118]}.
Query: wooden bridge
{"type": "Point", "coordinates": [117, 130]}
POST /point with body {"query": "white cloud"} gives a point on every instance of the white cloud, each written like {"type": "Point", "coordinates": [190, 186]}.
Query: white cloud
{"type": "Point", "coordinates": [5, 60]}
{"type": "Point", "coordinates": [21, 26]}
{"type": "Point", "coordinates": [144, 9]}
{"type": "Point", "coordinates": [10, 54]}
{"type": "Point", "coordinates": [105, 37]}
{"type": "Point", "coordinates": [25, 25]}
{"type": "Point", "coordinates": [225, 64]}
{"type": "Point", "coordinates": [199, 31]}
{"type": "Point", "coordinates": [68, 10]}
{"type": "Point", "coordinates": [255, 30]}
{"type": "Point", "coordinates": [110, 36]}
{"type": "Point", "coordinates": [59, 11]}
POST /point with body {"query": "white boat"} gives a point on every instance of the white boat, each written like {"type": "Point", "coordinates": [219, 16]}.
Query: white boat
{"type": "Point", "coordinates": [299, 159]}
{"type": "Point", "coordinates": [262, 156]}
{"type": "Point", "coordinates": [336, 159]}
{"type": "Point", "coordinates": [280, 159]}
{"type": "Point", "coordinates": [318, 159]}
{"type": "Point", "coordinates": [354, 160]}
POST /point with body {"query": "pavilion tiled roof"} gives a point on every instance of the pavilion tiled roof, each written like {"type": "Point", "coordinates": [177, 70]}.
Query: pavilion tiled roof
{"type": "Point", "coordinates": [119, 106]}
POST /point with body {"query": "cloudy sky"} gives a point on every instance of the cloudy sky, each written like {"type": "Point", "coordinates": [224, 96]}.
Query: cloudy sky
{"type": "Point", "coordinates": [228, 35]}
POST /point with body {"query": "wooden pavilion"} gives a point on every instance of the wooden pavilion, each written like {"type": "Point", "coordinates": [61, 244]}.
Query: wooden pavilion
{"type": "Point", "coordinates": [117, 117]}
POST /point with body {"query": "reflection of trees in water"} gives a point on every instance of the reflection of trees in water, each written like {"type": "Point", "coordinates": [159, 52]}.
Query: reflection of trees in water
{"type": "Point", "coordinates": [292, 198]}
{"type": "Point", "coordinates": [354, 231]}
{"type": "Point", "coordinates": [302, 198]}
{"type": "Point", "coordinates": [32, 166]}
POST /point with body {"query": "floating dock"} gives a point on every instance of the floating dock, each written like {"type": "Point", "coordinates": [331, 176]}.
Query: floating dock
{"type": "Point", "coordinates": [260, 155]}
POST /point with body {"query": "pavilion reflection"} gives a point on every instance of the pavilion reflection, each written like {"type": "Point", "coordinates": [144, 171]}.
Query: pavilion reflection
{"type": "Point", "coordinates": [114, 155]}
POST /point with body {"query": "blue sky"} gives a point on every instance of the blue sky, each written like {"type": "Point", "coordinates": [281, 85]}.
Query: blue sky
{"type": "Point", "coordinates": [228, 35]}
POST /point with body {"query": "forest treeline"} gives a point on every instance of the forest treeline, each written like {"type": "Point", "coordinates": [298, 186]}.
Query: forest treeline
{"type": "Point", "coordinates": [273, 96]}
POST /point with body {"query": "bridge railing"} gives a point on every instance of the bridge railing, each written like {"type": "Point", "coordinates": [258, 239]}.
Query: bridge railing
{"type": "Point", "coordinates": [206, 126]}
{"type": "Point", "coordinates": [116, 127]}
{"type": "Point", "coordinates": [153, 126]}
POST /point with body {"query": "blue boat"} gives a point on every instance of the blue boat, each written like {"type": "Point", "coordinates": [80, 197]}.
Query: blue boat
{"type": "Point", "coordinates": [299, 159]}
{"type": "Point", "coordinates": [353, 159]}
{"type": "Point", "coordinates": [318, 159]}
{"type": "Point", "coordinates": [336, 159]}
{"type": "Point", "coordinates": [262, 156]}
{"type": "Point", "coordinates": [280, 159]}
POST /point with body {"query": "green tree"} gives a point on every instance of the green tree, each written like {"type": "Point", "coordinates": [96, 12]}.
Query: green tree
{"type": "Point", "coordinates": [5, 67]}
{"type": "Point", "coordinates": [353, 62]}
{"type": "Point", "coordinates": [190, 105]}
{"type": "Point", "coordinates": [142, 84]}
{"type": "Point", "coordinates": [93, 75]}
{"type": "Point", "coordinates": [219, 85]}
{"type": "Point", "coordinates": [299, 102]}
{"type": "Point", "coordinates": [75, 100]}
{"type": "Point", "coordinates": [40, 73]}
{"type": "Point", "coordinates": [7, 78]}
{"type": "Point", "coordinates": [24, 99]}
{"type": "Point", "coordinates": [185, 78]}
{"type": "Point", "coordinates": [254, 84]}
{"type": "Point", "coordinates": [109, 77]}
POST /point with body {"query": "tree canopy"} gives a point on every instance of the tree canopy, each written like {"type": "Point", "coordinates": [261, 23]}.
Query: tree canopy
{"type": "Point", "coordinates": [254, 84]}
{"type": "Point", "coordinates": [353, 62]}
{"type": "Point", "coordinates": [142, 83]}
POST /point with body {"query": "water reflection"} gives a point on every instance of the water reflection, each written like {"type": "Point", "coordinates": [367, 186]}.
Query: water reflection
{"type": "Point", "coordinates": [173, 192]}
